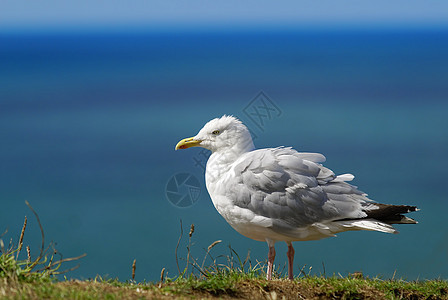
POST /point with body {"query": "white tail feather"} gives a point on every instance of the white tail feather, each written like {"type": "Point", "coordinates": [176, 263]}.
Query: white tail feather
{"type": "Point", "coordinates": [367, 224]}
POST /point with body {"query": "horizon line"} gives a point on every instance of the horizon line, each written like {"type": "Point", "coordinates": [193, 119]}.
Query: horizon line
{"type": "Point", "coordinates": [219, 27]}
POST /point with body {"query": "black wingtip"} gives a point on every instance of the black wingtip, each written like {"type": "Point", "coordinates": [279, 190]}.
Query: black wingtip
{"type": "Point", "coordinates": [392, 214]}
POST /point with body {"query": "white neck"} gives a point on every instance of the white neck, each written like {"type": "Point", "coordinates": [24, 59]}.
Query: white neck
{"type": "Point", "coordinates": [220, 162]}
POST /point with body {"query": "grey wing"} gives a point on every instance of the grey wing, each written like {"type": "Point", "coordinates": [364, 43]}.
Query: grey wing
{"type": "Point", "coordinates": [294, 189]}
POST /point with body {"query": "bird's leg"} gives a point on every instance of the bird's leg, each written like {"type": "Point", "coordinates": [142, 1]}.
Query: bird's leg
{"type": "Point", "coordinates": [290, 255]}
{"type": "Point", "coordinates": [271, 257]}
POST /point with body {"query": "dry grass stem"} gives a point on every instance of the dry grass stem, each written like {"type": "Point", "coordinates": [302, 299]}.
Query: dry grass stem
{"type": "Point", "coordinates": [21, 238]}
{"type": "Point", "coordinates": [302, 272]}
{"type": "Point", "coordinates": [4, 233]}
{"type": "Point", "coordinates": [162, 275]}
{"type": "Point", "coordinates": [177, 247]}
{"type": "Point", "coordinates": [69, 259]}
{"type": "Point", "coordinates": [42, 249]}
{"type": "Point", "coordinates": [213, 244]}
{"type": "Point", "coordinates": [208, 252]}
{"type": "Point", "coordinates": [189, 248]}
{"type": "Point", "coordinates": [247, 258]}
{"type": "Point", "coordinates": [133, 269]}
{"type": "Point", "coordinates": [191, 230]}
{"type": "Point", "coordinates": [28, 253]}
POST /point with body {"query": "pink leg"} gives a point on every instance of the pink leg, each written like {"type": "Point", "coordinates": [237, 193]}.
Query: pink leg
{"type": "Point", "coordinates": [271, 257]}
{"type": "Point", "coordinates": [290, 255]}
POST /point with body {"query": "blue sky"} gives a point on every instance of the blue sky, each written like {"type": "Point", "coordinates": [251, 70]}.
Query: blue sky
{"type": "Point", "coordinates": [120, 13]}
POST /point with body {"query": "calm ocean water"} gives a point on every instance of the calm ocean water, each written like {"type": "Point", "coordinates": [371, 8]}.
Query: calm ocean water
{"type": "Point", "coordinates": [88, 124]}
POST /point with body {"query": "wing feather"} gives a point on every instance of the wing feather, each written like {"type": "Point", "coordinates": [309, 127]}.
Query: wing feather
{"type": "Point", "coordinates": [293, 188]}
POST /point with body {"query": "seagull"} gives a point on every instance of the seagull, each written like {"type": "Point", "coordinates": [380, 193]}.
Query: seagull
{"type": "Point", "coordinates": [280, 194]}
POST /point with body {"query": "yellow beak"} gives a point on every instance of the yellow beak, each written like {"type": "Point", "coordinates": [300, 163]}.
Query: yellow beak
{"type": "Point", "coordinates": [187, 143]}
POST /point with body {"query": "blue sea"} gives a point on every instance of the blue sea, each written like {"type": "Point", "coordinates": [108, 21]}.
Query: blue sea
{"type": "Point", "coordinates": [89, 121]}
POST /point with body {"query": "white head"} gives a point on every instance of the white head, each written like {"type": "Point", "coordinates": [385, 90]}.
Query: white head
{"type": "Point", "coordinates": [221, 134]}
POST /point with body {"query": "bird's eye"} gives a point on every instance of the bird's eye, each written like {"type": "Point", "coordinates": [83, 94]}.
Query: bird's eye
{"type": "Point", "coordinates": [215, 132]}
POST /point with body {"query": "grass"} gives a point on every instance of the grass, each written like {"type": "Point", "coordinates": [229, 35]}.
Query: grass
{"type": "Point", "coordinates": [213, 277]}
{"type": "Point", "coordinates": [228, 286]}
{"type": "Point", "coordinates": [44, 267]}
